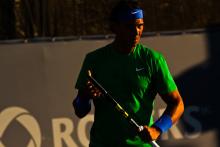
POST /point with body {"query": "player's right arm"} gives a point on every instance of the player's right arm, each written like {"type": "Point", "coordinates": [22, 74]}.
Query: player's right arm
{"type": "Point", "coordinates": [82, 102]}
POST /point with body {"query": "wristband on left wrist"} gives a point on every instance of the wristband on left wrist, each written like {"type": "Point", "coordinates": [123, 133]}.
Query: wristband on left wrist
{"type": "Point", "coordinates": [163, 123]}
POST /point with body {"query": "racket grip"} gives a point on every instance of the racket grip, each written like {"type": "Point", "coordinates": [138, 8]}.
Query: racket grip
{"type": "Point", "coordinates": [154, 143]}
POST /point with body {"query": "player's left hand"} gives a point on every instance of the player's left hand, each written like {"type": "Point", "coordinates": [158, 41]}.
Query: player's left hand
{"type": "Point", "coordinates": [149, 134]}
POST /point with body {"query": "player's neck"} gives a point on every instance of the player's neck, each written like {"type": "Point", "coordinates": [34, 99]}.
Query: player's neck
{"type": "Point", "coordinates": [122, 48]}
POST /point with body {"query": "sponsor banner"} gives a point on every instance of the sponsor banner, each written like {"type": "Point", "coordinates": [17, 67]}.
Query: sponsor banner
{"type": "Point", "coordinates": [37, 89]}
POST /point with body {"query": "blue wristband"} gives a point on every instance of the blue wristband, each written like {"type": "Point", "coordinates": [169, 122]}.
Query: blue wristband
{"type": "Point", "coordinates": [83, 105]}
{"type": "Point", "coordinates": [164, 123]}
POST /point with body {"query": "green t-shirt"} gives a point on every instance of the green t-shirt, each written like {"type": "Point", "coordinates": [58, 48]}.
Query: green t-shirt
{"type": "Point", "coordinates": [133, 80]}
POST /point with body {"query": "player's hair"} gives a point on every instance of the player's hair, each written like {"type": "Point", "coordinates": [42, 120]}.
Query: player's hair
{"type": "Point", "coordinates": [122, 6]}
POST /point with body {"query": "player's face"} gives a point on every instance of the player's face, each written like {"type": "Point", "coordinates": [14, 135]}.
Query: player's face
{"type": "Point", "coordinates": [129, 33]}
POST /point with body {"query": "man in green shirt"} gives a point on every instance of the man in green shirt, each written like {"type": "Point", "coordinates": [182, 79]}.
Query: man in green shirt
{"type": "Point", "coordinates": [133, 74]}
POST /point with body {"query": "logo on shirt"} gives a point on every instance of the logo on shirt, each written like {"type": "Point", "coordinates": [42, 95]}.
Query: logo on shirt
{"type": "Point", "coordinates": [139, 69]}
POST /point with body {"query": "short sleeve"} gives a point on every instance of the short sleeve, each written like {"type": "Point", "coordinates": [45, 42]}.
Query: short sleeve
{"type": "Point", "coordinates": [82, 78]}
{"type": "Point", "coordinates": [164, 80]}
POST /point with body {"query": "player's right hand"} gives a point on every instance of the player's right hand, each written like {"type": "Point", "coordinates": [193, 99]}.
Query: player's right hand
{"type": "Point", "coordinates": [92, 90]}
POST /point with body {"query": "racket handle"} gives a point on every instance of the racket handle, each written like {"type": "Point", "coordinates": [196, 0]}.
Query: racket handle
{"type": "Point", "coordinates": [154, 143]}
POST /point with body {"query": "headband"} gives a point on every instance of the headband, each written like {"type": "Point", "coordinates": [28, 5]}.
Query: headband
{"type": "Point", "coordinates": [130, 14]}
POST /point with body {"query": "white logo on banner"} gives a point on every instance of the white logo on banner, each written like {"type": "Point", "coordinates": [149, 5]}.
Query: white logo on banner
{"type": "Point", "coordinates": [25, 119]}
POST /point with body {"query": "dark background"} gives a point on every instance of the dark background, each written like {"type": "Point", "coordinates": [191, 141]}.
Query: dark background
{"type": "Point", "coordinates": [49, 18]}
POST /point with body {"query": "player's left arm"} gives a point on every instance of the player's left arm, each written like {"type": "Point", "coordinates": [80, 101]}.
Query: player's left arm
{"type": "Point", "coordinates": [172, 113]}
{"type": "Point", "coordinates": [175, 105]}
